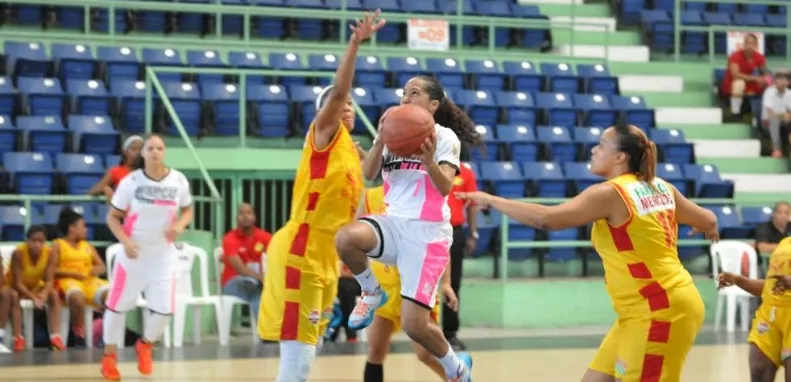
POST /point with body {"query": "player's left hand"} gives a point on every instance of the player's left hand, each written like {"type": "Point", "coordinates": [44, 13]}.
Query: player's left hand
{"type": "Point", "coordinates": [481, 198]}
{"type": "Point", "coordinates": [427, 149]}
{"type": "Point", "coordinates": [449, 297]}
{"type": "Point", "coordinates": [172, 233]}
{"type": "Point", "coordinates": [713, 235]}
{"type": "Point", "coordinates": [470, 245]}
{"type": "Point", "coordinates": [782, 284]}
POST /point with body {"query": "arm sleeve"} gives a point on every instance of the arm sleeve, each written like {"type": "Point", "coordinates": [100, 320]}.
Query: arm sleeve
{"type": "Point", "coordinates": [229, 247]}
{"type": "Point", "coordinates": [448, 149]}
{"type": "Point", "coordinates": [185, 195]}
{"type": "Point", "coordinates": [122, 198]}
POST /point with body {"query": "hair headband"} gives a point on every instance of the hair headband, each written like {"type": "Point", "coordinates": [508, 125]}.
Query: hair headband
{"type": "Point", "coordinates": [131, 139]}
{"type": "Point", "coordinates": [320, 98]}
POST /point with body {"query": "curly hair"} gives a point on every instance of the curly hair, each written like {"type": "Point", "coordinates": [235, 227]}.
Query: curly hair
{"type": "Point", "coordinates": [67, 218]}
{"type": "Point", "coordinates": [452, 116]}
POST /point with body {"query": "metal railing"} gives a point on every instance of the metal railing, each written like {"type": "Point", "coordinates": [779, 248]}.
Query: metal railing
{"type": "Point", "coordinates": [250, 13]}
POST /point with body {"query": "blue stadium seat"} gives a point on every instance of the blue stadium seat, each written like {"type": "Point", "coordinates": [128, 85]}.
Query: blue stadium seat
{"type": "Point", "coordinates": [708, 183]}
{"type": "Point", "coordinates": [558, 109]}
{"type": "Point", "coordinates": [120, 62]}
{"type": "Point", "coordinates": [587, 138]}
{"type": "Point", "coordinates": [186, 101]}
{"type": "Point", "coordinates": [496, 8]}
{"type": "Point", "coordinates": [596, 110]}
{"type": "Point", "coordinates": [692, 42]}
{"type": "Point", "coordinates": [448, 72]}
{"type": "Point", "coordinates": [89, 97]}
{"type": "Point", "coordinates": [485, 74]}
{"type": "Point", "coordinates": [305, 99]}
{"type": "Point", "coordinates": [580, 175]}
{"type": "Point", "coordinates": [486, 230]}
{"type": "Point", "coordinates": [271, 104]}
{"type": "Point", "coordinates": [101, 20]}
{"type": "Point", "coordinates": [518, 106]}
{"type": "Point", "coordinates": [192, 22]}
{"type": "Point", "coordinates": [404, 68]}
{"type": "Point", "coordinates": [387, 98]}
{"type": "Point", "coordinates": [232, 24]}
{"type": "Point", "coordinates": [672, 174]}
{"type": "Point", "coordinates": [557, 143]}
{"type": "Point", "coordinates": [505, 177]}
{"type": "Point", "coordinates": [675, 148]}
{"type": "Point", "coordinates": [248, 60]}
{"type": "Point", "coordinates": [563, 254]}
{"type": "Point", "coordinates": [634, 110]}
{"type": "Point", "coordinates": [12, 223]}
{"type": "Point", "coordinates": [43, 134]}
{"type": "Point", "coordinates": [93, 134]}
{"type": "Point", "coordinates": [324, 63]}
{"type": "Point", "coordinates": [516, 232]}
{"type": "Point", "coordinates": [729, 224]}
{"type": "Point", "coordinates": [307, 28]}
{"type": "Point", "coordinates": [131, 100]}
{"type": "Point", "coordinates": [152, 21]}
{"type": "Point", "coordinates": [27, 59]}
{"type": "Point", "coordinates": [520, 142]}
{"type": "Point", "coordinates": [365, 99]}
{"type": "Point", "coordinates": [266, 26]}
{"type": "Point", "coordinates": [524, 76]}
{"type": "Point", "coordinates": [598, 79]}
{"type": "Point", "coordinates": [27, 15]}
{"type": "Point", "coordinates": [370, 72]}
{"type": "Point", "coordinates": [225, 101]}
{"type": "Point", "coordinates": [8, 97]}
{"type": "Point", "coordinates": [749, 19]}
{"type": "Point", "coordinates": [480, 106]}
{"type": "Point", "coordinates": [490, 143]}
{"type": "Point", "coordinates": [8, 136]}
{"type": "Point", "coordinates": [42, 96]}
{"type": "Point", "coordinates": [206, 59]}
{"type": "Point", "coordinates": [164, 57]}
{"type": "Point", "coordinates": [390, 33]}
{"type": "Point", "coordinates": [31, 172]}
{"type": "Point", "coordinates": [288, 61]}
{"type": "Point", "coordinates": [74, 61]}
{"type": "Point", "coordinates": [419, 6]}
{"type": "Point", "coordinates": [112, 160]}
{"type": "Point", "coordinates": [547, 179]}
{"type": "Point", "coordinates": [753, 216]}
{"type": "Point", "coordinates": [560, 77]}
{"type": "Point", "coordinates": [629, 10]}
{"type": "Point", "coordinates": [81, 171]}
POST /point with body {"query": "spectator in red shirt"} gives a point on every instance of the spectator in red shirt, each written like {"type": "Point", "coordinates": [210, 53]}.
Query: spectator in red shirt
{"type": "Point", "coordinates": [243, 251]}
{"type": "Point", "coordinates": [740, 79]}
{"type": "Point", "coordinates": [459, 214]}
{"type": "Point", "coordinates": [130, 155]}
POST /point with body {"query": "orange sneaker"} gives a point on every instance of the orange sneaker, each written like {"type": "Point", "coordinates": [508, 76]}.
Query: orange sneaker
{"type": "Point", "coordinates": [110, 368]}
{"type": "Point", "coordinates": [144, 361]}
{"type": "Point", "coordinates": [19, 343]}
{"type": "Point", "coordinates": [56, 343]}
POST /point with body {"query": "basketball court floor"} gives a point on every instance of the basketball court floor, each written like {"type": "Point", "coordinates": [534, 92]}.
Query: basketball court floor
{"type": "Point", "coordinates": [507, 356]}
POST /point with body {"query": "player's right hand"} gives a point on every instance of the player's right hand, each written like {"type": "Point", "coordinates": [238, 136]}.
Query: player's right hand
{"type": "Point", "coordinates": [131, 250]}
{"type": "Point", "coordinates": [726, 279]}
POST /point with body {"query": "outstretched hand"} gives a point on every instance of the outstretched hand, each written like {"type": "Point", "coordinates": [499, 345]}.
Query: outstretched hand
{"type": "Point", "coordinates": [480, 198]}
{"type": "Point", "coordinates": [365, 28]}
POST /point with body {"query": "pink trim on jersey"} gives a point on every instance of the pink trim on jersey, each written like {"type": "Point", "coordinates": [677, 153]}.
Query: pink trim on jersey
{"type": "Point", "coordinates": [117, 287]}
{"type": "Point", "coordinates": [129, 223]}
{"type": "Point", "coordinates": [167, 203]}
{"type": "Point", "coordinates": [386, 186]}
{"type": "Point", "coordinates": [431, 210]}
{"type": "Point", "coordinates": [434, 263]}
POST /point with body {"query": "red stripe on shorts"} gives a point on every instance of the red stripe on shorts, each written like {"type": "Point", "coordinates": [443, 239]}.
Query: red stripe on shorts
{"type": "Point", "coordinates": [652, 368]}
{"type": "Point", "coordinates": [290, 325]}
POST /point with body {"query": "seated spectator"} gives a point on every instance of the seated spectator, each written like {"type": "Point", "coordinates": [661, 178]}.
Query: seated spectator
{"type": "Point", "coordinates": [776, 112]}
{"type": "Point", "coordinates": [129, 162]}
{"type": "Point", "coordinates": [769, 233]}
{"type": "Point", "coordinates": [243, 251]}
{"type": "Point", "coordinates": [740, 80]}
{"type": "Point", "coordinates": [32, 276]}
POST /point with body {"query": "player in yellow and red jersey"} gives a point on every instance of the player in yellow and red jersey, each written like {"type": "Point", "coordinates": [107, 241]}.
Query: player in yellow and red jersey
{"type": "Point", "coordinates": [635, 218]}
{"type": "Point", "coordinates": [770, 336]}
{"type": "Point", "coordinates": [302, 265]}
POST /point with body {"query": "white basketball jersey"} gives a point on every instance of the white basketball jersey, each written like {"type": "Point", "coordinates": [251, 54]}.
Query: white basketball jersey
{"type": "Point", "coordinates": [151, 206]}
{"type": "Point", "coordinates": [409, 192]}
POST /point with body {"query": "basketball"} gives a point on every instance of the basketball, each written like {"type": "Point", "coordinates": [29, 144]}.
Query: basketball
{"type": "Point", "coordinates": [403, 129]}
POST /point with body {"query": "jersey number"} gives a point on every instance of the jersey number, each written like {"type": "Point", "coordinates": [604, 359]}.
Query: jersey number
{"type": "Point", "coordinates": [667, 219]}
{"type": "Point", "coordinates": [418, 185]}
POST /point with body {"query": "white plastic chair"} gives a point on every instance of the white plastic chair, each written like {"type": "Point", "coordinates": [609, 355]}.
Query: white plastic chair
{"type": "Point", "coordinates": [186, 298]}
{"type": "Point", "coordinates": [726, 256]}
{"type": "Point", "coordinates": [228, 303]}
{"type": "Point", "coordinates": [112, 252]}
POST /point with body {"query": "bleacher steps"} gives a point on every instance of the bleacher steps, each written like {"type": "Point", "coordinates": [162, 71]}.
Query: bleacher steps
{"type": "Point", "coordinates": [563, 36]}
{"type": "Point", "coordinates": [638, 84]}
{"type": "Point", "coordinates": [724, 131]}
{"type": "Point", "coordinates": [612, 53]}
{"type": "Point", "coordinates": [749, 182]}
{"type": "Point", "coordinates": [557, 9]}
{"type": "Point", "coordinates": [731, 148]}
{"type": "Point", "coordinates": [594, 24]}
{"type": "Point", "coordinates": [756, 165]}
{"type": "Point", "coordinates": [689, 115]}
{"type": "Point", "coordinates": [673, 99]}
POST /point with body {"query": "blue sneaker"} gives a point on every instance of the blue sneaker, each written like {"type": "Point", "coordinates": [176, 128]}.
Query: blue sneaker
{"type": "Point", "coordinates": [363, 313]}
{"type": "Point", "coordinates": [465, 375]}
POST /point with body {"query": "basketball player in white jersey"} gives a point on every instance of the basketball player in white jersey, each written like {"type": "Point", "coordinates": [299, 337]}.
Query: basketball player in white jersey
{"type": "Point", "coordinates": [156, 207]}
{"type": "Point", "coordinates": [415, 233]}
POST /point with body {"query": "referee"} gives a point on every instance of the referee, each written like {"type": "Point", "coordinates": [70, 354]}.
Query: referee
{"type": "Point", "coordinates": [459, 214]}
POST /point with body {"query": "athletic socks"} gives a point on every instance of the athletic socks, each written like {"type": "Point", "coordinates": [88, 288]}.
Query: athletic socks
{"type": "Point", "coordinates": [451, 363]}
{"type": "Point", "coordinates": [736, 105]}
{"type": "Point", "coordinates": [368, 283]}
{"type": "Point", "coordinates": [373, 373]}
{"type": "Point", "coordinates": [155, 326]}
{"type": "Point", "coordinates": [114, 325]}
{"type": "Point", "coordinates": [296, 360]}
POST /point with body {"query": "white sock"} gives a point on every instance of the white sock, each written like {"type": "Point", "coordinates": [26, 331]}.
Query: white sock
{"type": "Point", "coordinates": [155, 326]}
{"type": "Point", "coordinates": [451, 363]}
{"type": "Point", "coordinates": [319, 345]}
{"type": "Point", "coordinates": [368, 282]}
{"type": "Point", "coordinates": [736, 105]}
{"type": "Point", "coordinates": [113, 327]}
{"type": "Point", "coordinates": [296, 360]}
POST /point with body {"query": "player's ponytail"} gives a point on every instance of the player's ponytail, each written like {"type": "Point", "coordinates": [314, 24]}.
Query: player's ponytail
{"type": "Point", "coordinates": [66, 219]}
{"type": "Point", "coordinates": [641, 151]}
{"type": "Point", "coordinates": [448, 114]}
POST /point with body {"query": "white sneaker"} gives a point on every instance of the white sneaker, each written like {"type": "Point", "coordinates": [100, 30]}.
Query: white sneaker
{"type": "Point", "coordinates": [465, 372]}
{"type": "Point", "coordinates": [4, 349]}
{"type": "Point", "coordinates": [363, 313]}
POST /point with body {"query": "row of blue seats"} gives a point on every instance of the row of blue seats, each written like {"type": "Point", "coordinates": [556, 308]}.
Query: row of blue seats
{"type": "Point", "coordinates": [523, 143]}
{"type": "Point", "coordinates": [12, 218]}
{"type": "Point", "coordinates": [34, 173]}
{"type": "Point", "coordinates": [303, 28]}
{"type": "Point", "coordinates": [75, 61]}
{"type": "Point", "coordinates": [85, 134]}
{"type": "Point", "coordinates": [631, 9]}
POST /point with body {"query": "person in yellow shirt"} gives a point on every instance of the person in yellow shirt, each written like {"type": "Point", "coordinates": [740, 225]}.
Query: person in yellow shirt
{"type": "Point", "coordinates": [32, 276]}
{"type": "Point", "coordinates": [770, 336]}
{"type": "Point", "coordinates": [78, 266]}
{"type": "Point", "coordinates": [635, 218]}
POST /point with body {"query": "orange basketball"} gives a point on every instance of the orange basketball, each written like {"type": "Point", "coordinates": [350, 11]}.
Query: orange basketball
{"type": "Point", "coordinates": [404, 128]}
